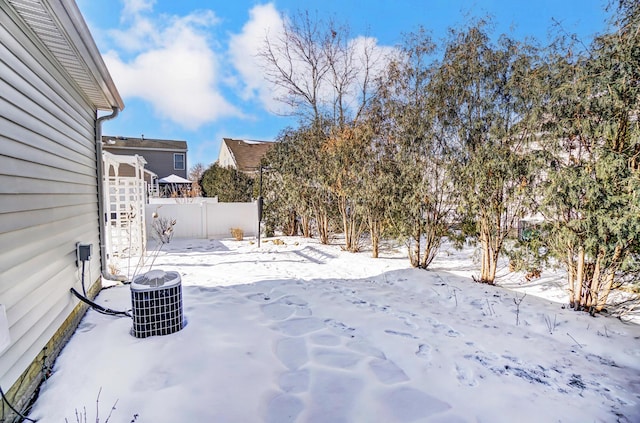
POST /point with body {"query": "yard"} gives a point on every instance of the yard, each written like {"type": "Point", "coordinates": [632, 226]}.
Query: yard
{"type": "Point", "coordinates": [299, 331]}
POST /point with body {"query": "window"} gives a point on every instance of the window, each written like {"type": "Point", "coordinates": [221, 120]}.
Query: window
{"type": "Point", "coordinates": [178, 161]}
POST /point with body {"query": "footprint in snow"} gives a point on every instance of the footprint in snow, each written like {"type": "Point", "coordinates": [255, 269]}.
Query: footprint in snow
{"type": "Point", "coordinates": [635, 353]}
{"type": "Point", "coordinates": [387, 372]}
{"type": "Point", "coordinates": [465, 376]}
{"type": "Point", "coordinates": [299, 326]}
{"type": "Point", "coordinates": [276, 311]}
{"type": "Point", "coordinates": [155, 380]}
{"type": "Point", "coordinates": [407, 321]}
{"type": "Point", "coordinates": [284, 408]}
{"type": "Point", "coordinates": [432, 321]}
{"type": "Point", "coordinates": [334, 358]}
{"type": "Point", "coordinates": [400, 334]}
{"type": "Point", "coordinates": [365, 348]}
{"type": "Point", "coordinates": [325, 339]}
{"type": "Point", "coordinates": [409, 404]}
{"type": "Point", "coordinates": [260, 297]}
{"type": "Point", "coordinates": [282, 308]}
{"type": "Point", "coordinates": [303, 312]}
{"type": "Point", "coordinates": [340, 328]}
{"type": "Point", "coordinates": [441, 327]}
{"type": "Point", "coordinates": [359, 303]}
{"type": "Point", "coordinates": [338, 388]}
{"type": "Point", "coordinates": [293, 300]}
{"type": "Point", "coordinates": [292, 352]}
{"type": "Point", "coordinates": [295, 382]}
{"type": "Point", "coordinates": [452, 333]}
{"type": "Point", "coordinates": [424, 351]}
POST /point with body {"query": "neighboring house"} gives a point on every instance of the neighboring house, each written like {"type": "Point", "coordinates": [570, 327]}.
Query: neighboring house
{"type": "Point", "coordinates": [243, 155]}
{"type": "Point", "coordinates": [164, 157]}
{"type": "Point", "coordinates": [53, 83]}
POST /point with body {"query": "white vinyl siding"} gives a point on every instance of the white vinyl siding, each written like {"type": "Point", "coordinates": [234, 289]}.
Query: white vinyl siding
{"type": "Point", "coordinates": [48, 194]}
{"type": "Point", "coordinates": [225, 157]}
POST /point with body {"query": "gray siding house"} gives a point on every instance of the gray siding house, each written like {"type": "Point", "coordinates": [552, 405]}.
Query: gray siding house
{"type": "Point", "coordinates": [53, 83]}
{"type": "Point", "coordinates": [163, 157]}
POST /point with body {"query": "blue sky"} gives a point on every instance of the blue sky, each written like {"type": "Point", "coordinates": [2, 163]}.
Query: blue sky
{"type": "Point", "coordinates": [187, 69]}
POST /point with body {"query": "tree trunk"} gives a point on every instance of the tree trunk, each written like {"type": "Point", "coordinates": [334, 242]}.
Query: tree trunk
{"type": "Point", "coordinates": [375, 229]}
{"type": "Point", "coordinates": [571, 275]}
{"type": "Point", "coordinates": [346, 222]}
{"type": "Point", "coordinates": [489, 257]}
{"type": "Point", "coordinates": [292, 225]}
{"type": "Point", "coordinates": [494, 264]}
{"type": "Point", "coordinates": [414, 253]}
{"type": "Point", "coordinates": [323, 229]}
{"type": "Point", "coordinates": [375, 245]}
{"type": "Point", "coordinates": [580, 278]}
{"type": "Point", "coordinates": [352, 225]}
{"type": "Point", "coordinates": [489, 264]}
{"type": "Point", "coordinates": [484, 268]}
{"type": "Point", "coordinates": [432, 245]}
{"type": "Point", "coordinates": [374, 232]}
{"type": "Point", "coordinates": [322, 221]}
{"type": "Point", "coordinates": [359, 227]}
{"type": "Point", "coordinates": [606, 289]}
{"type": "Point", "coordinates": [305, 225]}
{"type": "Point", "coordinates": [592, 293]}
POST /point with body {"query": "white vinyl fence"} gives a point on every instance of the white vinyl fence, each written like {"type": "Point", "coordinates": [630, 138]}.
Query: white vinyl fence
{"type": "Point", "coordinates": [204, 217]}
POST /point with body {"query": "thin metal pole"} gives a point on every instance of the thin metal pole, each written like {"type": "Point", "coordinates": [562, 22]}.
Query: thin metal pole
{"type": "Point", "coordinates": [260, 206]}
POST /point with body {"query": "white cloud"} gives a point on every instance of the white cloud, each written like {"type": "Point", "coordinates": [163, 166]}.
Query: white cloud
{"type": "Point", "coordinates": [134, 7]}
{"type": "Point", "coordinates": [264, 20]}
{"type": "Point", "coordinates": [369, 54]}
{"type": "Point", "coordinates": [174, 64]}
{"type": "Point", "coordinates": [170, 64]}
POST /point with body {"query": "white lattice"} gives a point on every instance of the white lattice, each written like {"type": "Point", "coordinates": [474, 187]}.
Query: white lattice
{"type": "Point", "coordinates": [125, 199]}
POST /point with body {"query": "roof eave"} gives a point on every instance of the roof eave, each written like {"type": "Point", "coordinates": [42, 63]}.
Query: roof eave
{"type": "Point", "coordinates": [79, 33]}
{"type": "Point", "coordinates": [92, 76]}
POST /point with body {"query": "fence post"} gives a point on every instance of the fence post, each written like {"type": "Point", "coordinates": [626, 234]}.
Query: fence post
{"type": "Point", "coordinates": [203, 220]}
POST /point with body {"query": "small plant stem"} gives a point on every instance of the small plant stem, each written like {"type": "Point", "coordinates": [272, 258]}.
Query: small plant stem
{"type": "Point", "coordinates": [517, 302]}
{"type": "Point", "coordinates": [97, 406]}
{"type": "Point", "coordinates": [574, 340]}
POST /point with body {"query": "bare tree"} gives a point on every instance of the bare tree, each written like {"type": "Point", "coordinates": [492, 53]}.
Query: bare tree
{"type": "Point", "coordinates": [324, 76]}
{"type": "Point", "coordinates": [295, 62]}
{"type": "Point", "coordinates": [195, 176]}
{"type": "Point", "coordinates": [319, 69]}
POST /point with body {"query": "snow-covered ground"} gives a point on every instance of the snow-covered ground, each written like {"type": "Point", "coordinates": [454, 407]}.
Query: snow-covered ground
{"type": "Point", "coordinates": [304, 332]}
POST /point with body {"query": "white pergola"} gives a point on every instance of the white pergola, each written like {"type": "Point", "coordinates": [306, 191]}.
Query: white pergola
{"type": "Point", "coordinates": [124, 204]}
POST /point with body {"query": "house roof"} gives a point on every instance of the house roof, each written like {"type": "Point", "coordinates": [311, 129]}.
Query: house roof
{"type": "Point", "coordinates": [124, 143]}
{"type": "Point", "coordinates": [59, 27]}
{"type": "Point", "coordinates": [247, 154]}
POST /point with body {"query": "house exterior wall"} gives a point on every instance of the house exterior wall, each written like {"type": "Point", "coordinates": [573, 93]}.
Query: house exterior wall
{"type": "Point", "coordinates": [48, 203]}
{"type": "Point", "coordinates": [159, 162]}
{"type": "Point", "coordinates": [225, 157]}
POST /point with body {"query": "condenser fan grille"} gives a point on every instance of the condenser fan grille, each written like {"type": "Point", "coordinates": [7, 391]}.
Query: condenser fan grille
{"type": "Point", "coordinates": [156, 298]}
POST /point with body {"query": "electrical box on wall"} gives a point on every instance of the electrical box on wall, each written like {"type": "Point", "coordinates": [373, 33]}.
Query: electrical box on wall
{"type": "Point", "coordinates": [83, 252]}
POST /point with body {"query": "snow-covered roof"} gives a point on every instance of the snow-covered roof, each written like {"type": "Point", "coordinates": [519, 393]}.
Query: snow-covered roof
{"type": "Point", "coordinates": [173, 179]}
